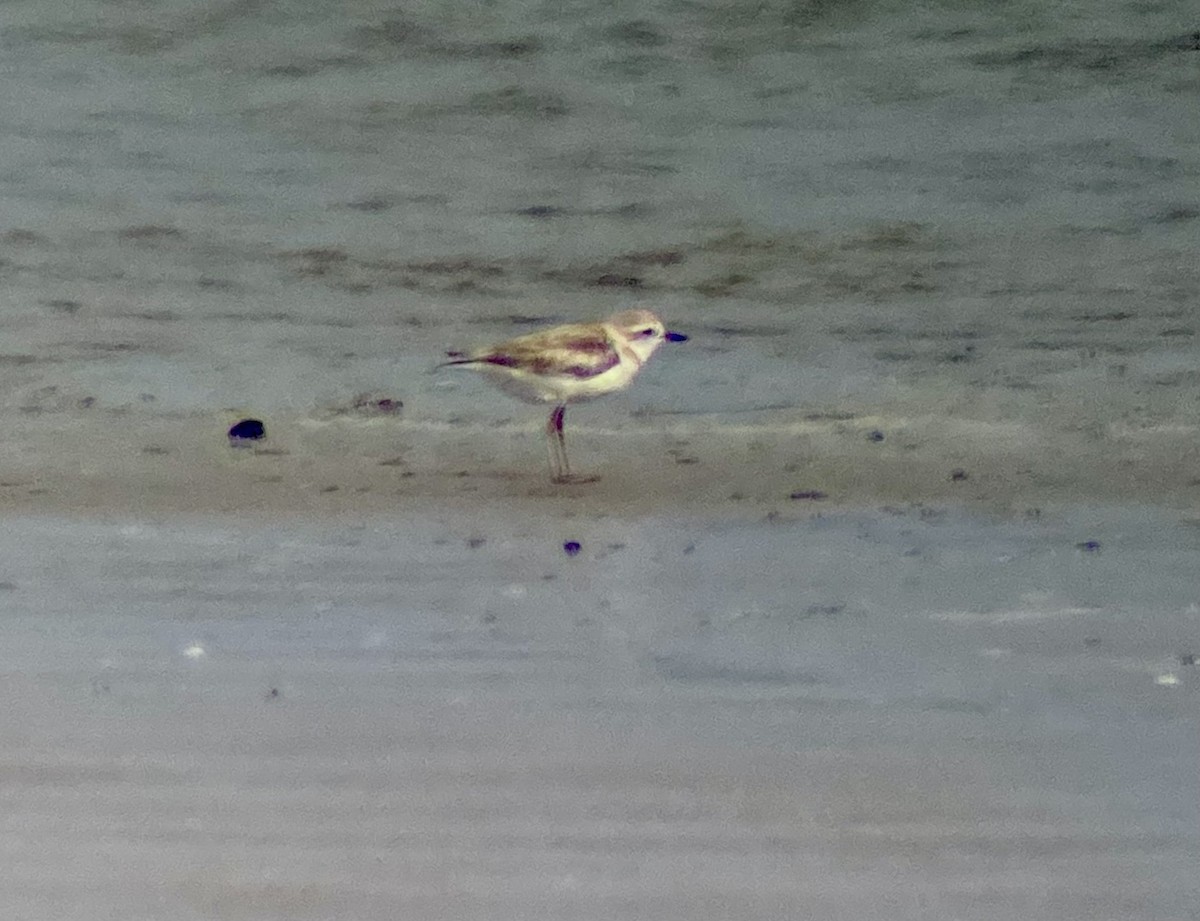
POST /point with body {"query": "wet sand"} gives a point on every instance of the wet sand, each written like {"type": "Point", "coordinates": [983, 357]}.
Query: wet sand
{"type": "Point", "coordinates": [653, 466]}
{"type": "Point", "coordinates": [435, 711]}
{"type": "Point", "coordinates": [354, 672]}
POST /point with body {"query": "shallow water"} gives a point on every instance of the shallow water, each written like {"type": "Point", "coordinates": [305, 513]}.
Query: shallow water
{"type": "Point", "coordinates": [274, 207]}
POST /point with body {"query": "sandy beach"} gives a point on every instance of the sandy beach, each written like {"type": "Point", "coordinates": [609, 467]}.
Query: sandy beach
{"type": "Point", "coordinates": [792, 671]}
{"type": "Point", "coordinates": [910, 712]}
{"type": "Point", "coordinates": [884, 605]}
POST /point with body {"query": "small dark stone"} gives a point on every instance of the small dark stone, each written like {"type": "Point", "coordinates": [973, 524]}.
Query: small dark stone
{"type": "Point", "coordinates": [476, 542]}
{"type": "Point", "coordinates": [150, 232]}
{"type": "Point", "coordinates": [814, 495]}
{"type": "Point", "coordinates": [1088, 546]}
{"type": "Point", "coordinates": [875, 435]}
{"type": "Point", "coordinates": [1091, 641]}
{"type": "Point", "coordinates": [824, 610]}
{"type": "Point", "coordinates": [1188, 658]}
{"type": "Point", "coordinates": [273, 694]}
{"type": "Point", "coordinates": [572, 547]}
{"type": "Point", "coordinates": [541, 211]}
{"type": "Point", "coordinates": [64, 304]}
{"type": "Point", "coordinates": [373, 403]}
{"type": "Point", "coordinates": [613, 280]}
{"type": "Point", "coordinates": [247, 430]}
{"type": "Point", "coordinates": [371, 205]}
{"type": "Point", "coordinates": [957, 476]}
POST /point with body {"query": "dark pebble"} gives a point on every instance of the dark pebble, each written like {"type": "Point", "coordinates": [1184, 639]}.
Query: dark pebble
{"type": "Point", "coordinates": [875, 435]}
{"type": "Point", "coordinates": [1089, 546]}
{"type": "Point", "coordinates": [824, 610]}
{"type": "Point", "coordinates": [370, 403]}
{"type": "Point", "coordinates": [572, 547]}
{"type": "Point", "coordinates": [1188, 42]}
{"type": "Point", "coordinates": [957, 476]}
{"type": "Point", "coordinates": [476, 542]}
{"type": "Point", "coordinates": [247, 430]}
{"type": "Point", "coordinates": [541, 211]}
{"type": "Point", "coordinates": [613, 280]}
{"type": "Point", "coordinates": [1188, 658]}
{"type": "Point", "coordinates": [814, 495]}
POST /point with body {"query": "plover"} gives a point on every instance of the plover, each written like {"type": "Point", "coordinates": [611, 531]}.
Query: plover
{"type": "Point", "coordinates": [569, 364]}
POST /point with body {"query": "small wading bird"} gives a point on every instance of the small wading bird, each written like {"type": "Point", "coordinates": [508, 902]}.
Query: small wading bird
{"type": "Point", "coordinates": [569, 364]}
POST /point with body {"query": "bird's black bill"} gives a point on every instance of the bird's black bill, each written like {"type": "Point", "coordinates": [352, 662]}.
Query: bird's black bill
{"type": "Point", "coordinates": [676, 337]}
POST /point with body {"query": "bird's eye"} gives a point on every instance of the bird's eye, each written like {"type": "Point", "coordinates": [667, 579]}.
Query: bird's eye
{"type": "Point", "coordinates": [648, 331]}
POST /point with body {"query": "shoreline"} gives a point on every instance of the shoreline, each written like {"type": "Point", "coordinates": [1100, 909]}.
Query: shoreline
{"type": "Point", "coordinates": [794, 465]}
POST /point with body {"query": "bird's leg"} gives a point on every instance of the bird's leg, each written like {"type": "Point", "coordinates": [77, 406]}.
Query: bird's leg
{"type": "Point", "coordinates": [556, 444]}
{"type": "Point", "coordinates": [561, 467]}
{"type": "Point", "coordinates": [564, 470]}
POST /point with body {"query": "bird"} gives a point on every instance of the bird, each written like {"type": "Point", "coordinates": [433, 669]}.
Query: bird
{"type": "Point", "coordinates": [568, 364]}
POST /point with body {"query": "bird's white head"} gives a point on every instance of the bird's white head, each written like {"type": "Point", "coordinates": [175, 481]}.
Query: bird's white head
{"type": "Point", "coordinates": [643, 331]}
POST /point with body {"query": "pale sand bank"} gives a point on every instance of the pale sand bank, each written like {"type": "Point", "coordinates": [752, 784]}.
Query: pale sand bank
{"type": "Point", "coordinates": [654, 465]}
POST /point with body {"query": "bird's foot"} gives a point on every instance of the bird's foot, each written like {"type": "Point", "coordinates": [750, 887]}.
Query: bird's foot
{"type": "Point", "coordinates": [573, 479]}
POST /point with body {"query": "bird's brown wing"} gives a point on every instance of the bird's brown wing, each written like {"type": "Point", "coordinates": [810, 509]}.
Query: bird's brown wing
{"type": "Point", "coordinates": [582, 351]}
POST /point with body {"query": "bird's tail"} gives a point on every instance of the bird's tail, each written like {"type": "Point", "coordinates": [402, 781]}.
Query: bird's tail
{"type": "Point", "coordinates": [456, 358]}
